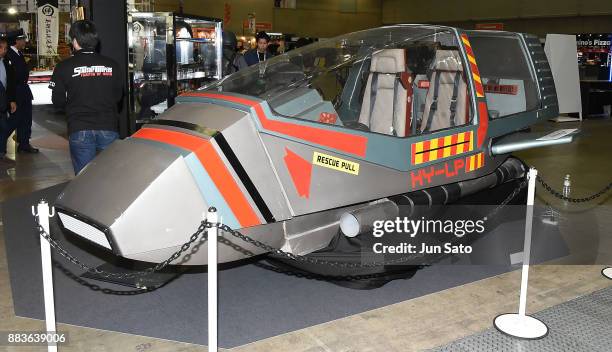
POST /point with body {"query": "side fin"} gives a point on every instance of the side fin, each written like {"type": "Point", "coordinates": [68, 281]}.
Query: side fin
{"type": "Point", "coordinates": [521, 140]}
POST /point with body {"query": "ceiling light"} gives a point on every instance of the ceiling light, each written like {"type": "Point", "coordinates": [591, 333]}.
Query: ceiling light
{"type": "Point", "coordinates": [12, 11]}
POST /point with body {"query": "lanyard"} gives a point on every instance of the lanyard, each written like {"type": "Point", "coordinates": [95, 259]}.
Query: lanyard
{"type": "Point", "coordinates": [265, 54]}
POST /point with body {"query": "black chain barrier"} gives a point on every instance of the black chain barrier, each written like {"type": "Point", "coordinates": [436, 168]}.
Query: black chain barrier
{"type": "Point", "coordinates": [204, 225]}
{"type": "Point", "coordinates": [76, 261]}
{"type": "Point", "coordinates": [560, 195]}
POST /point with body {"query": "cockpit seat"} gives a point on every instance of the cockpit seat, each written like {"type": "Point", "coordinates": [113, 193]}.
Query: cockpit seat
{"type": "Point", "coordinates": [383, 108]}
{"type": "Point", "coordinates": [445, 103]}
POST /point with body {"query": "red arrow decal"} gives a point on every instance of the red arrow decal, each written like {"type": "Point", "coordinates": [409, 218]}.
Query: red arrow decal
{"type": "Point", "coordinates": [300, 170]}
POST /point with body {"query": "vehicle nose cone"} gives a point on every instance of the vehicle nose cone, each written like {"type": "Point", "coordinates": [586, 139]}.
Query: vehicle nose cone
{"type": "Point", "coordinates": [135, 190]}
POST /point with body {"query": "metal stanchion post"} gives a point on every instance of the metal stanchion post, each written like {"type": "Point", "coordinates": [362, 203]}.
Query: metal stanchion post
{"type": "Point", "coordinates": [607, 272]}
{"type": "Point", "coordinates": [212, 217]}
{"type": "Point", "coordinates": [521, 325]}
{"type": "Point", "coordinates": [43, 213]}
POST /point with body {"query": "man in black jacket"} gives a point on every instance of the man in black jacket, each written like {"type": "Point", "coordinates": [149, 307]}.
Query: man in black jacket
{"type": "Point", "coordinates": [233, 61]}
{"type": "Point", "coordinates": [89, 87]}
{"type": "Point", "coordinates": [8, 104]}
{"type": "Point", "coordinates": [261, 52]}
{"type": "Point", "coordinates": [22, 92]}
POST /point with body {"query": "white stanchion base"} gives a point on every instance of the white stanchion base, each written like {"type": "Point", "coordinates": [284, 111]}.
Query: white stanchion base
{"type": "Point", "coordinates": [607, 272]}
{"type": "Point", "coordinates": [520, 326]}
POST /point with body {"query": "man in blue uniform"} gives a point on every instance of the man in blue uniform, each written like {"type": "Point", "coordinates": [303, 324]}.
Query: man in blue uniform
{"type": "Point", "coordinates": [7, 102]}
{"type": "Point", "coordinates": [23, 115]}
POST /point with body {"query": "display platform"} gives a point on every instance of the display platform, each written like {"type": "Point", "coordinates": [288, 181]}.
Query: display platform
{"type": "Point", "coordinates": [580, 325]}
{"type": "Point", "coordinates": [254, 303]}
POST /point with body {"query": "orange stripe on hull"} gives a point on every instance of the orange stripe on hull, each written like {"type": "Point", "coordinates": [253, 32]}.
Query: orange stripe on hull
{"type": "Point", "coordinates": [216, 169]}
{"type": "Point", "coordinates": [346, 142]}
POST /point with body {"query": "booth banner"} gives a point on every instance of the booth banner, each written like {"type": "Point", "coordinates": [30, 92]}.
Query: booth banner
{"type": "Point", "coordinates": [227, 14]}
{"type": "Point", "coordinates": [24, 6]}
{"type": "Point", "coordinates": [31, 6]}
{"type": "Point", "coordinates": [21, 5]}
{"type": "Point", "coordinates": [64, 5]}
{"type": "Point", "coordinates": [25, 26]}
{"type": "Point", "coordinates": [251, 23]}
{"type": "Point", "coordinates": [48, 27]}
{"type": "Point", "coordinates": [67, 32]}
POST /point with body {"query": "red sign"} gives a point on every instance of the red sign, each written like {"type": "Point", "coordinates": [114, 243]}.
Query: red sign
{"type": "Point", "coordinates": [490, 26]}
{"type": "Point", "coordinates": [259, 26]}
{"type": "Point", "coordinates": [227, 14]}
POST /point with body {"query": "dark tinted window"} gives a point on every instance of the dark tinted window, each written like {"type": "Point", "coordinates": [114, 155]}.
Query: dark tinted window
{"type": "Point", "coordinates": [509, 85]}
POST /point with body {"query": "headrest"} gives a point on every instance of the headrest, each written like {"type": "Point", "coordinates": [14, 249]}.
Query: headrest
{"type": "Point", "coordinates": [447, 60]}
{"type": "Point", "coordinates": [388, 61]}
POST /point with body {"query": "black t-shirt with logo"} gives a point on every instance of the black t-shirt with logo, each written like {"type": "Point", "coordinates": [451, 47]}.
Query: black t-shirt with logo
{"type": "Point", "coordinates": [90, 87]}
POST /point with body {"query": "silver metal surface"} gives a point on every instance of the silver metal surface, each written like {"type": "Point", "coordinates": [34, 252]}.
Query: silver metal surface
{"type": "Point", "coordinates": [525, 141]}
{"type": "Point", "coordinates": [308, 233]}
{"type": "Point", "coordinates": [360, 220]}
{"type": "Point", "coordinates": [211, 116]}
{"type": "Point", "coordinates": [149, 223]}
{"type": "Point", "coordinates": [244, 141]}
{"type": "Point", "coordinates": [579, 325]}
{"type": "Point", "coordinates": [114, 179]}
{"type": "Point", "coordinates": [331, 188]}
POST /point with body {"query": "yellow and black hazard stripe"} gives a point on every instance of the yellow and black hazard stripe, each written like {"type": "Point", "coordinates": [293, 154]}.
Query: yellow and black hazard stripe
{"type": "Point", "coordinates": [474, 162]}
{"type": "Point", "coordinates": [473, 66]}
{"type": "Point", "coordinates": [443, 147]}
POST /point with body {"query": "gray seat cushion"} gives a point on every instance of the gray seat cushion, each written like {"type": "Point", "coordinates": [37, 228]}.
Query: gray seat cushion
{"type": "Point", "coordinates": [383, 108]}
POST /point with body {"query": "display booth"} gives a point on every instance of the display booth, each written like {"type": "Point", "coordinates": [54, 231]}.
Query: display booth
{"type": "Point", "coordinates": [594, 62]}
{"type": "Point", "coordinates": [169, 54]}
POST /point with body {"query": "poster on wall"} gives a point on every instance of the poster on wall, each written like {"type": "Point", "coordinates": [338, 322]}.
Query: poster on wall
{"type": "Point", "coordinates": [48, 27]}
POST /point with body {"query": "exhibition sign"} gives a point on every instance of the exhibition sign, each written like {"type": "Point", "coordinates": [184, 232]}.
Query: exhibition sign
{"type": "Point", "coordinates": [490, 26]}
{"type": "Point", "coordinates": [48, 27]}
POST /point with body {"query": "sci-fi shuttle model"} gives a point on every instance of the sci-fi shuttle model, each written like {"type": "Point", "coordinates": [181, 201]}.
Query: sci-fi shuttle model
{"type": "Point", "coordinates": [328, 136]}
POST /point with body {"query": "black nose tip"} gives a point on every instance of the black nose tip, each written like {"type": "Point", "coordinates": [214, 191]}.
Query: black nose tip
{"type": "Point", "coordinates": [212, 209]}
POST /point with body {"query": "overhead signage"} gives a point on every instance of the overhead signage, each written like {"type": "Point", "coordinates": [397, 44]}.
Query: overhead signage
{"type": "Point", "coordinates": [29, 6]}
{"type": "Point", "coordinates": [594, 42]}
{"type": "Point", "coordinates": [258, 26]}
{"type": "Point", "coordinates": [227, 14]}
{"type": "Point", "coordinates": [490, 26]}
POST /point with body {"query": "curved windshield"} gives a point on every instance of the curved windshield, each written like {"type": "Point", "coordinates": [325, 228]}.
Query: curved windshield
{"type": "Point", "coordinates": [365, 80]}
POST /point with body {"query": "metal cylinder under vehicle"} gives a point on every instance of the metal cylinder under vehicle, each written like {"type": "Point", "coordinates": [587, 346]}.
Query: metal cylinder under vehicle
{"type": "Point", "coordinates": [360, 220]}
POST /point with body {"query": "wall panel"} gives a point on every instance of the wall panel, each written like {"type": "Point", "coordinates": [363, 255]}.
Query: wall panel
{"type": "Point", "coordinates": [318, 18]}
{"type": "Point", "coordinates": [487, 9]}
{"type": "Point", "coordinates": [557, 8]}
{"type": "Point", "coordinates": [395, 11]}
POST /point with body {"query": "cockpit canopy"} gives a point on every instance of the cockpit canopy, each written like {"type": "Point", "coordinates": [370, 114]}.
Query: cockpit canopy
{"type": "Point", "coordinates": [399, 80]}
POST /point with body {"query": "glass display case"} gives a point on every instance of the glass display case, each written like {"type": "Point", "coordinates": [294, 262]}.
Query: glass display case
{"type": "Point", "coordinates": [169, 54]}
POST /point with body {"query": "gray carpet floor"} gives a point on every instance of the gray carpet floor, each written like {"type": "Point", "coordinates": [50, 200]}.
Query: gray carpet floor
{"type": "Point", "coordinates": [254, 303]}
